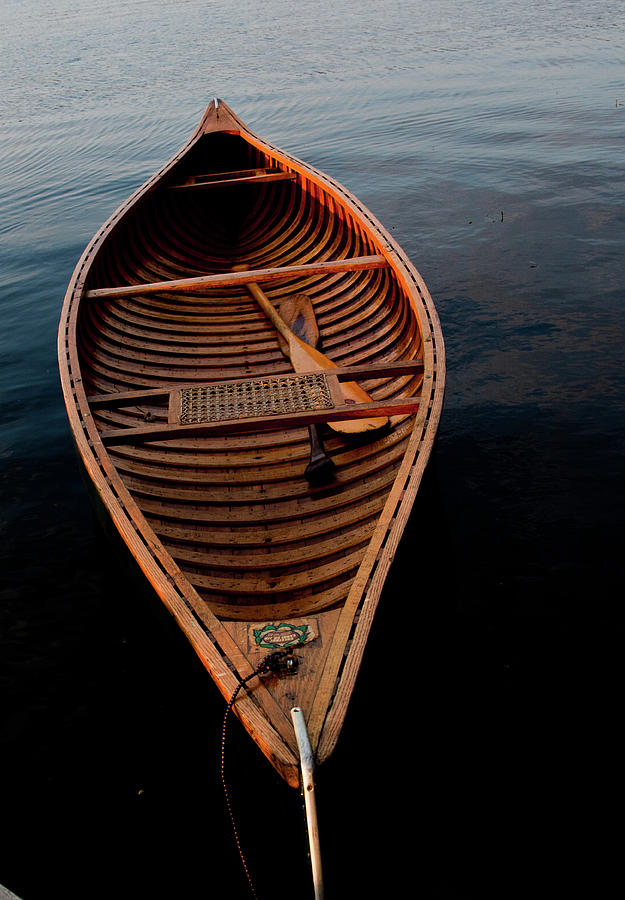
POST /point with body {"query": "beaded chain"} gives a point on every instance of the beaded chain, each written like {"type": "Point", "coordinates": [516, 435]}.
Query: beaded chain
{"type": "Point", "coordinates": [268, 664]}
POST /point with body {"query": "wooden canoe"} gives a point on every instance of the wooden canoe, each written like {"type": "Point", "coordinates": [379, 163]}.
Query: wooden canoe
{"type": "Point", "coordinates": [215, 507]}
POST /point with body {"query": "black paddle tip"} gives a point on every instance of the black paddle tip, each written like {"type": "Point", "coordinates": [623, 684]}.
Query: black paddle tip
{"type": "Point", "coordinates": [320, 471]}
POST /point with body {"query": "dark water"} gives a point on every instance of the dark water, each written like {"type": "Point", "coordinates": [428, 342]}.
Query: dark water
{"type": "Point", "coordinates": [482, 755]}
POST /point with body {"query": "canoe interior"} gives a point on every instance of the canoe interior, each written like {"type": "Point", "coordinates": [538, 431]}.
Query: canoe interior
{"type": "Point", "coordinates": [236, 513]}
{"type": "Point", "coordinates": [226, 526]}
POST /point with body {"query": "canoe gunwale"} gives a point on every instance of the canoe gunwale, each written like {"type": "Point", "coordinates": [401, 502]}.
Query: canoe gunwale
{"type": "Point", "coordinates": [219, 652]}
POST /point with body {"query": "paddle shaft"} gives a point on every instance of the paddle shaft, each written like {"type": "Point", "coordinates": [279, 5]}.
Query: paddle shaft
{"type": "Point", "coordinates": [270, 311]}
{"type": "Point", "coordinates": [297, 312]}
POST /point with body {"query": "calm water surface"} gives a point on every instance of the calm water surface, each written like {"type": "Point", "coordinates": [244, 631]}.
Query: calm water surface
{"type": "Point", "coordinates": [482, 752]}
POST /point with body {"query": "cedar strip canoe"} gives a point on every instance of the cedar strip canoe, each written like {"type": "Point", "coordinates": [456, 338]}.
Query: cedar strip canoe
{"type": "Point", "coordinates": [243, 550]}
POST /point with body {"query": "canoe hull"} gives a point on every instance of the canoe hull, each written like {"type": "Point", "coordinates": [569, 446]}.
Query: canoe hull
{"type": "Point", "coordinates": [243, 551]}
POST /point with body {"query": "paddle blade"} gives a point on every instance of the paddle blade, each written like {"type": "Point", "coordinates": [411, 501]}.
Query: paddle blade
{"type": "Point", "coordinates": [308, 359]}
{"type": "Point", "coordinates": [298, 314]}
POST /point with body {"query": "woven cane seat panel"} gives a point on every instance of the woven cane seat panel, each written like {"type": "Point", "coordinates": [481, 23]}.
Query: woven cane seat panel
{"type": "Point", "coordinates": [255, 397]}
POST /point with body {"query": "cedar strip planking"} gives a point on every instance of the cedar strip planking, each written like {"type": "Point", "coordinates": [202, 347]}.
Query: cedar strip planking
{"type": "Point", "coordinates": [233, 492]}
{"type": "Point", "coordinates": [209, 473]}
{"type": "Point", "coordinates": [233, 512]}
{"type": "Point", "coordinates": [246, 534]}
{"type": "Point", "coordinates": [260, 584]}
{"type": "Point", "coordinates": [265, 556]}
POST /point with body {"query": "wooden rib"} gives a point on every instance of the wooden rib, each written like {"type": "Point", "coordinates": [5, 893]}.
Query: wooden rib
{"type": "Point", "coordinates": [254, 558]}
{"type": "Point", "coordinates": [260, 584]}
{"type": "Point", "coordinates": [307, 605]}
{"type": "Point", "coordinates": [241, 278]}
{"type": "Point", "coordinates": [221, 469]}
{"type": "Point", "coordinates": [246, 533]}
{"type": "Point", "coordinates": [216, 491]}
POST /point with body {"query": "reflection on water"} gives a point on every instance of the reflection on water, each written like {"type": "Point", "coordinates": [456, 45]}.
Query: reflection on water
{"type": "Point", "coordinates": [488, 139]}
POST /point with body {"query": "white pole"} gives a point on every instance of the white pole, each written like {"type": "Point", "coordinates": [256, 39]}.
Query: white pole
{"type": "Point", "coordinates": [307, 763]}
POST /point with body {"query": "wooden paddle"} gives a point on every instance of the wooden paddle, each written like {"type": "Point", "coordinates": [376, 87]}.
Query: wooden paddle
{"type": "Point", "coordinates": [307, 359]}
{"type": "Point", "coordinates": [298, 314]}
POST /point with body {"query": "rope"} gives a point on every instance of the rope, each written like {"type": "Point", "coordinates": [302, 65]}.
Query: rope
{"type": "Point", "coordinates": [270, 663]}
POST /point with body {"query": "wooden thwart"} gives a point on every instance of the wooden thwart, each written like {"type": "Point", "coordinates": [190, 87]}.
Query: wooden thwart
{"type": "Point", "coordinates": [234, 279]}
{"type": "Point", "coordinates": [343, 411]}
{"type": "Point", "coordinates": [343, 373]}
{"type": "Point", "coordinates": [246, 176]}
{"type": "Point", "coordinates": [291, 418]}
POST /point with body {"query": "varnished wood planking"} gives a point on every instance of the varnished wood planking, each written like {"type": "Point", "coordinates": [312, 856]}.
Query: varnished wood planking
{"type": "Point", "coordinates": [231, 527]}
